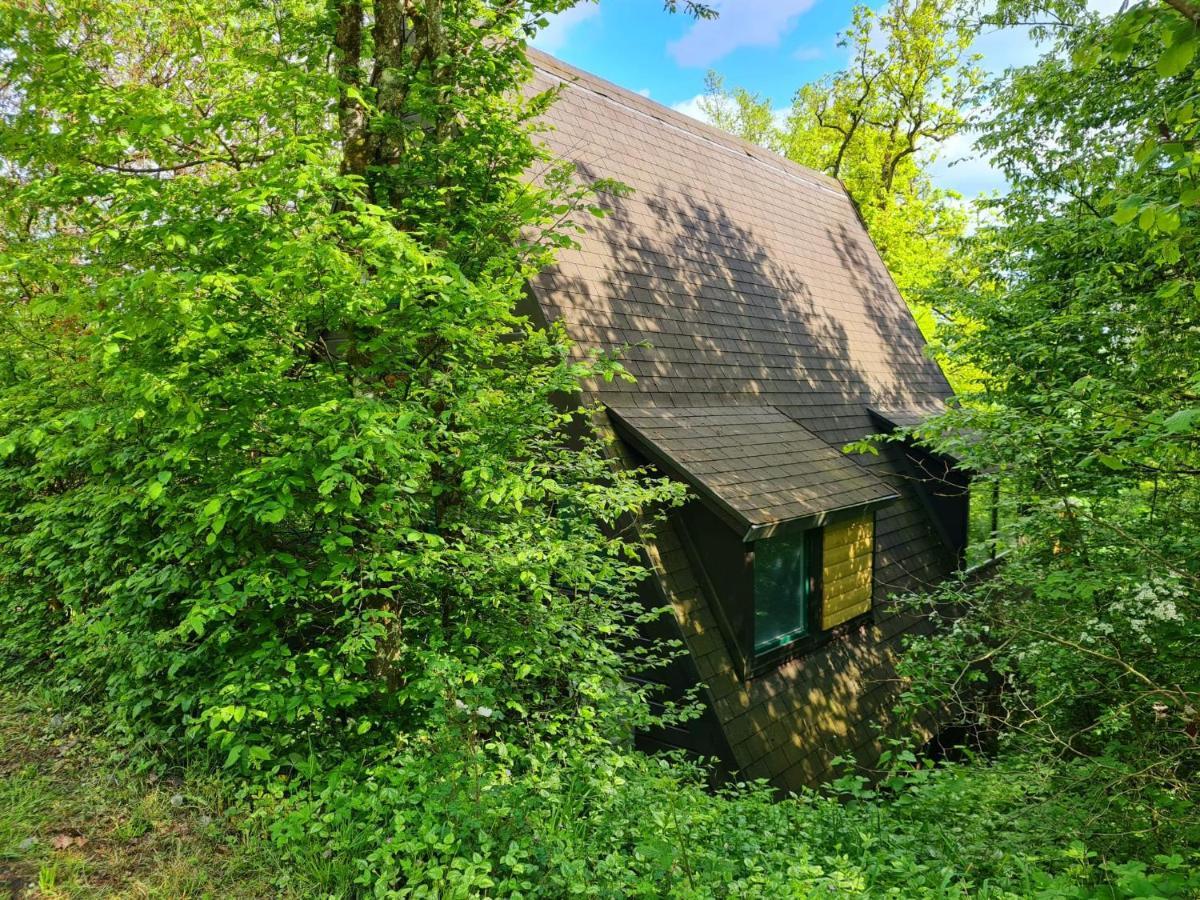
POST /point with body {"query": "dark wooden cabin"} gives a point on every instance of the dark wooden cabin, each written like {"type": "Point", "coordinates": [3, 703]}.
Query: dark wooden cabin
{"type": "Point", "coordinates": [766, 335]}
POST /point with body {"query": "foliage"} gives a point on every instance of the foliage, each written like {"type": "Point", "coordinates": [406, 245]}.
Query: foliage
{"type": "Point", "coordinates": [289, 491]}
{"type": "Point", "coordinates": [78, 823]}
{"type": "Point", "coordinates": [1082, 298]}
{"type": "Point", "coordinates": [282, 469]}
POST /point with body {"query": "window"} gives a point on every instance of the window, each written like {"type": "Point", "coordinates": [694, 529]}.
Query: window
{"type": "Point", "coordinates": [782, 590]}
{"type": "Point", "coordinates": [807, 583]}
{"type": "Point", "coordinates": [779, 596]}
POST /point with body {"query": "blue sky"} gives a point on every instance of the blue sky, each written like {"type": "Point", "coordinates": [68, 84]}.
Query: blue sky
{"type": "Point", "coordinates": [768, 46]}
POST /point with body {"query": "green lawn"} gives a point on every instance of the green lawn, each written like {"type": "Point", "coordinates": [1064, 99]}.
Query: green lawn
{"type": "Point", "coordinates": [75, 823]}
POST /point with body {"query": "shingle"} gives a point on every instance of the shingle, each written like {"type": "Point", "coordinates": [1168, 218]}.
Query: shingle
{"type": "Point", "coordinates": [760, 467]}
{"type": "Point", "coordinates": [750, 275]}
{"type": "Point", "coordinates": [905, 416]}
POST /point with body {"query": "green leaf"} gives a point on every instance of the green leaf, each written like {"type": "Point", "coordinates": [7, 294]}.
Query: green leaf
{"type": "Point", "coordinates": [1085, 56]}
{"type": "Point", "coordinates": [1176, 58]}
{"type": "Point", "coordinates": [1127, 210]}
{"type": "Point", "coordinates": [1120, 47]}
{"type": "Point", "coordinates": [1167, 219]}
{"type": "Point", "coordinates": [155, 490]}
{"type": "Point", "coordinates": [1184, 420]}
{"type": "Point", "coordinates": [273, 514]}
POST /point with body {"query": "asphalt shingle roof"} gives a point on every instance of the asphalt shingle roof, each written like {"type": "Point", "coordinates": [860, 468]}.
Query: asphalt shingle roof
{"type": "Point", "coordinates": [905, 417]}
{"type": "Point", "coordinates": [759, 467]}
{"type": "Point", "coordinates": [734, 278]}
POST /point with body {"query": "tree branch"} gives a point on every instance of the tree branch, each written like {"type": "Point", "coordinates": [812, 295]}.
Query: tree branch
{"type": "Point", "coordinates": [1186, 8]}
{"type": "Point", "coordinates": [352, 118]}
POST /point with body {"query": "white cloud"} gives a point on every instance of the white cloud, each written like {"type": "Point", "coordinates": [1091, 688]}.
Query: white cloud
{"type": "Point", "coordinates": [692, 108]}
{"type": "Point", "coordinates": [645, 92]}
{"type": "Point", "coordinates": [1011, 47]}
{"type": "Point", "coordinates": [742, 23]}
{"type": "Point", "coordinates": [558, 32]}
{"type": "Point", "coordinates": [961, 166]}
{"type": "Point", "coordinates": [1006, 48]}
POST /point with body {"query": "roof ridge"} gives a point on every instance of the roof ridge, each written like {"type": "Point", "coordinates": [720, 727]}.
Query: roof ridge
{"type": "Point", "coordinates": [631, 101]}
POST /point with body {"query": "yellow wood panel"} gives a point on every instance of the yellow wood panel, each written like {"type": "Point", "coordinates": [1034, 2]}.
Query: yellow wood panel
{"type": "Point", "coordinates": [837, 555]}
{"type": "Point", "coordinates": [837, 617]}
{"type": "Point", "coordinates": [853, 531]}
{"type": "Point", "coordinates": [841, 570]}
{"type": "Point", "coordinates": [846, 599]}
{"type": "Point", "coordinates": [856, 579]}
{"type": "Point", "coordinates": [849, 597]}
{"type": "Point", "coordinates": [846, 578]}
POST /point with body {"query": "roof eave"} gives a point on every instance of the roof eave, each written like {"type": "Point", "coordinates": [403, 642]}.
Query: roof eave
{"type": "Point", "coordinates": [776, 529]}
{"type": "Point", "coordinates": [749, 529]}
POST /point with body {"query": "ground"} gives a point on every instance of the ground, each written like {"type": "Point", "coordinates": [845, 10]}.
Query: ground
{"type": "Point", "coordinates": [74, 822]}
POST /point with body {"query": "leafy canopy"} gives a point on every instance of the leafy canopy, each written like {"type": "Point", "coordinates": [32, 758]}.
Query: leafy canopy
{"type": "Point", "coordinates": [1082, 295]}
{"type": "Point", "coordinates": [282, 468]}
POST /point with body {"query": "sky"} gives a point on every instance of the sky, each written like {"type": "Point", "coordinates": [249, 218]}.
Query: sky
{"type": "Point", "coordinates": [770, 47]}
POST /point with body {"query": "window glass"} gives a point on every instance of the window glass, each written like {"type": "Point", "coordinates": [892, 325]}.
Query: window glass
{"type": "Point", "coordinates": [780, 590]}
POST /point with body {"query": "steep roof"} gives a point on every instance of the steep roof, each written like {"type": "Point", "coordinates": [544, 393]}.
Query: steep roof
{"type": "Point", "coordinates": [733, 276]}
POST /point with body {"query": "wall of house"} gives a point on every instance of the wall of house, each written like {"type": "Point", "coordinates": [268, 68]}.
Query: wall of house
{"type": "Point", "coordinates": [731, 276]}
{"type": "Point", "coordinates": [788, 724]}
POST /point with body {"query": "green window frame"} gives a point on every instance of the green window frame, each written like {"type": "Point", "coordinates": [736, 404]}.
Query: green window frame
{"type": "Point", "coordinates": [783, 589]}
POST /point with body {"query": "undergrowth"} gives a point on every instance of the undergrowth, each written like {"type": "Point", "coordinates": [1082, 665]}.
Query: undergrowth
{"type": "Point", "coordinates": [81, 818]}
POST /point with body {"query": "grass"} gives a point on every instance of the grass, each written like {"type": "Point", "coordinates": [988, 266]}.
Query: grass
{"type": "Point", "coordinates": [75, 822]}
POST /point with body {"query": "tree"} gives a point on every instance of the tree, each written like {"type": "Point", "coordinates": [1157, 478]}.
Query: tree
{"type": "Point", "coordinates": [282, 469]}
{"type": "Point", "coordinates": [1083, 296]}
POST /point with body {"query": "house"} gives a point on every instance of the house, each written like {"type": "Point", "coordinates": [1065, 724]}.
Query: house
{"type": "Point", "coordinates": [765, 334]}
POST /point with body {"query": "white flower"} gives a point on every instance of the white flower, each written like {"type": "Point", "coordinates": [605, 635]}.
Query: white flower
{"type": "Point", "coordinates": [1165, 611]}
